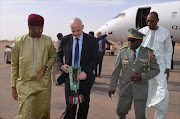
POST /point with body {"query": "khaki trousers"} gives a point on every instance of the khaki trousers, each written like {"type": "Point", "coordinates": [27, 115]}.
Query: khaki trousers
{"type": "Point", "coordinates": [124, 106]}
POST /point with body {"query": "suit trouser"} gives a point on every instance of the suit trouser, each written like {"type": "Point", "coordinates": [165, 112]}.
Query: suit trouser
{"type": "Point", "coordinates": [83, 107]}
{"type": "Point", "coordinates": [124, 106]}
{"type": "Point", "coordinates": [100, 60]}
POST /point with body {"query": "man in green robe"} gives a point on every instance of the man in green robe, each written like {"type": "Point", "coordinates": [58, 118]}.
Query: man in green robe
{"type": "Point", "coordinates": [33, 55]}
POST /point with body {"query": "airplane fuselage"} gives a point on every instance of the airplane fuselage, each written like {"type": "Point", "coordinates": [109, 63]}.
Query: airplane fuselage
{"type": "Point", "coordinates": [134, 17]}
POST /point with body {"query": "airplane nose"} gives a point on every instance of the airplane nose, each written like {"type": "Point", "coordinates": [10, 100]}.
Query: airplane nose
{"type": "Point", "coordinates": [118, 28]}
{"type": "Point", "coordinates": [108, 28]}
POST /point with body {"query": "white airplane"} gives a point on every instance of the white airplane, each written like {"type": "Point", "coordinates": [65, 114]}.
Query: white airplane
{"type": "Point", "coordinates": [135, 17]}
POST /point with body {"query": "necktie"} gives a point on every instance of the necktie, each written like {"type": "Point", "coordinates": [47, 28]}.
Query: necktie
{"type": "Point", "coordinates": [76, 55]}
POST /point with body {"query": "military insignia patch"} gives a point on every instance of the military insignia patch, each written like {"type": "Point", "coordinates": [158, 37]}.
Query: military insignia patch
{"type": "Point", "coordinates": [142, 48]}
{"type": "Point", "coordinates": [125, 62]}
{"type": "Point", "coordinates": [126, 58]}
{"type": "Point", "coordinates": [143, 60]}
{"type": "Point", "coordinates": [131, 31]}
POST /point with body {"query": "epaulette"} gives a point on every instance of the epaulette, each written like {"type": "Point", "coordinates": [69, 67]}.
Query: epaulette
{"type": "Point", "coordinates": [142, 48]}
{"type": "Point", "coordinates": [123, 47]}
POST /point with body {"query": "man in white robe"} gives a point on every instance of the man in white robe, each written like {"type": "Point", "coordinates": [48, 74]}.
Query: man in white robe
{"type": "Point", "coordinates": [158, 39]}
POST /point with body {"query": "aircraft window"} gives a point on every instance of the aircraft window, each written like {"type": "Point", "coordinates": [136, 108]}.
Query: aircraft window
{"type": "Point", "coordinates": [174, 15]}
{"type": "Point", "coordinates": [121, 15]}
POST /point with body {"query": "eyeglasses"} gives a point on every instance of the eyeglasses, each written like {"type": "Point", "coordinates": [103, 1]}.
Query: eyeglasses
{"type": "Point", "coordinates": [132, 41]}
{"type": "Point", "coordinates": [151, 21]}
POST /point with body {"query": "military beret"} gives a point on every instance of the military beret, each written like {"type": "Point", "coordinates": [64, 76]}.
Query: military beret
{"type": "Point", "coordinates": [35, 20]}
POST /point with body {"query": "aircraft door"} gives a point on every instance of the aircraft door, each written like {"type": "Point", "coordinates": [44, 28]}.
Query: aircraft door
{"type": "Point", "coordinates": [141, 17]}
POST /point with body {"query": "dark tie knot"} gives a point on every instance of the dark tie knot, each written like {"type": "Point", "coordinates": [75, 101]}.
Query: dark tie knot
{"type": "Point", "coordinates": [77, 39]}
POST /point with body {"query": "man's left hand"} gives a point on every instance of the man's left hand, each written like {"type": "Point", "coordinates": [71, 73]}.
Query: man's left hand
{"type": "Point", "coordinates": [43, 71]}
{"type": "Point", "coordinates": [167, 72]}
{"type": "Point", "coordinates": [136, 78]}
{"type": "Point", "coordinates": [82, 76]}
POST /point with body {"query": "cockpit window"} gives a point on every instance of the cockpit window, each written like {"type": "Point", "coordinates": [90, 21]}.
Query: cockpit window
{"type": "Point", "coordinates": [121, 15]}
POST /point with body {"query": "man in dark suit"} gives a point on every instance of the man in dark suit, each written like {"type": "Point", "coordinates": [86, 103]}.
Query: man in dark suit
{"type": "Point", "coordinates": [100, 40]}
{"type": "Point", "coordinates": [101, 52]}
{"type": "Point", "coordinates": [87, 59]}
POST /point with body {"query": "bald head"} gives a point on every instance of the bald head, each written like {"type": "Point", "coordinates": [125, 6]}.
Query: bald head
{"type": "Point", "coordinates": [76, 27]}
{"type": "Point", "coordinates": [98, 34]}
{"type": "Point", "coordinates": [76, 22]}
{"type": "Point", "coordinates": [154, 14]}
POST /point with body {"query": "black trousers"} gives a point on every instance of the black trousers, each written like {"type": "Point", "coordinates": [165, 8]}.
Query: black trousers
{"type": "Point", "coordinates": [100, 60]}
{"type": "Point", "coordinates": [83, 107]}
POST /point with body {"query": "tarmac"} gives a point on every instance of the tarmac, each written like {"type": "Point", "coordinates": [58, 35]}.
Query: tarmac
{"type": "Point", "coordinates": [101, 106]}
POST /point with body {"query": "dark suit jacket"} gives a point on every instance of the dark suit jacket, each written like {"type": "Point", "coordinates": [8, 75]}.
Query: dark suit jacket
{"type": "Point", "coordinates": [103, 44]}
{"type": "Point", "coordinates": [103, 41]}
{"type": "Point", "coordinates": [89, 55]}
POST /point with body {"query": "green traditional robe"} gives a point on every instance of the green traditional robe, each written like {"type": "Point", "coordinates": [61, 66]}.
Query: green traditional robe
{"type": "Point", "coordinates": [28, 56]}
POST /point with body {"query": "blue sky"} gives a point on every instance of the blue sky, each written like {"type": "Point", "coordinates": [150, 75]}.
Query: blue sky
{"type": "Point", "coordinates": [58, 13]}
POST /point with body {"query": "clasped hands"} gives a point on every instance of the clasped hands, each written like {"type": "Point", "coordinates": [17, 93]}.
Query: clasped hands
{"type": "Point", "coordinates": [82, 76]}
{"type": "Point", "coordinates": [136, 77]}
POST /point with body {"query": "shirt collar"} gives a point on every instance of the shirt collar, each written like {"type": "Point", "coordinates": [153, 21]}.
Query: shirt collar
{"type": "Point", "coordinates": [137, 50]}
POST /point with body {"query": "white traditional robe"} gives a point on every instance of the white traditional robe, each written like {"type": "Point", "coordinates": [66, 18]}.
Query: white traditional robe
{"type": "Point", "coordinates": [158, 95]}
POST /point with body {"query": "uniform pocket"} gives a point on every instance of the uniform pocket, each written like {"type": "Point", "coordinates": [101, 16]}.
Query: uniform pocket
{"type": "Point", "coordinates": [144, 66]}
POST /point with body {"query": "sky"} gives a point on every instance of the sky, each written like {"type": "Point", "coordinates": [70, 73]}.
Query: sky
{"type": "Point", "coordinates": [58, 14]}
